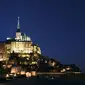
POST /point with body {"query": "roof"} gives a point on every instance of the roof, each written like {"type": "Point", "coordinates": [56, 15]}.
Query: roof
{"type": "Point", "coordinates": [18, 30]}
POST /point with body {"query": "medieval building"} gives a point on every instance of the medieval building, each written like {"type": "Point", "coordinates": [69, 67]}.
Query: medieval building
{"type": "Point", "coordinates": [21, 44]}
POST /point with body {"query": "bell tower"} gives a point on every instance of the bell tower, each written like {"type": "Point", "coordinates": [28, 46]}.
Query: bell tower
{"type": "Point", "coordinates": [18, 32]}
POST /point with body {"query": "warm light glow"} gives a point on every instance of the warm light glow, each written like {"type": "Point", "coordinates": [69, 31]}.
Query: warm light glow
{"type": "Point", "coordinates": [7, 75]}
{"type": "Point", "coordinates": [21, 47]}
{"type": "Point", "coordinates": [11, 74]}
{"type": "Point", "coordinates": [34, 63]}
{"type": "Point", "coordinates": [14, 70]}
{"type": "Point", "coordinates": [1, 59]}
{"type": "Point", "coordinates": [9, 66]}
{"type": "Point", "coordinates": [22, 72]}
{"type": "Point", "coordinates": [4, 66]}
{"type": "Point", "coordinates": [53, 63]}
{"type": "Point", "coordinates": [15, 75]}
{"type": "Point", "coordinates": [33, 73]}
{"type": "Point", "coordinates": [68, 68]}
{"type": "Point", "coordinates": [21, 44]}
{"type": "Point", "coordinates": [28, 74]}
{"type": "Point", "coordinates": [63, 70]}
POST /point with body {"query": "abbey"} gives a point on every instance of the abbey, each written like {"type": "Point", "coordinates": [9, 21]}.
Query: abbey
{"type": "Point", "coordinates": [21, 44]}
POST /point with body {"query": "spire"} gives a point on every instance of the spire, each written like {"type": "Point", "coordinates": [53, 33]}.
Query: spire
{"type": "Point", "coordinates": [18, 25]}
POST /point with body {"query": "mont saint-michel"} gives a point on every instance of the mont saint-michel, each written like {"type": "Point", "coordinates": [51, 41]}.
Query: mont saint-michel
{"type": "Point", "coordinates": [19, 56]}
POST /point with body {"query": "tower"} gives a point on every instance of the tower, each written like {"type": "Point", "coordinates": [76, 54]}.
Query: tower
{"type": "Point", "coordinates": [18, 32]}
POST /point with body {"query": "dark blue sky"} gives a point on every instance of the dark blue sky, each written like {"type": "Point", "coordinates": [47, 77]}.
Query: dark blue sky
{"type": "Point", "coordinates": [58, 26]}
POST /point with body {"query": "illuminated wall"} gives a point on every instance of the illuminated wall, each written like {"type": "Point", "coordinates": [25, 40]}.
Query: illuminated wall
{"type": "Point", "coordinates": [21, 47]}
{"type": "Point", "coordinates": [21, 44]}
{"type": "Point", "coordinates": [2, 51]}
{"type": "Point", "coordinates": [18, 35]}
{"type": "Point", "coordinates": [24, 48]}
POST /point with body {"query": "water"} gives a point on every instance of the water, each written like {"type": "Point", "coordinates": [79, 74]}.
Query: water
{"type": "Point", "coordinates": [46, 81]}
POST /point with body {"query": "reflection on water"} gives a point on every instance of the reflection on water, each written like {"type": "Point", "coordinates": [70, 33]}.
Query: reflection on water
{"type": "Point", "coordinates": [45, 81]}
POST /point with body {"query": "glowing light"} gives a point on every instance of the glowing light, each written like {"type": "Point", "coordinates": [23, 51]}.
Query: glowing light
{"type": "Point", "coordinates": [22, 72]}
{"type": "Point", "coordinates": [9, 66]}
{"type": "Point", "coordinates": [63, 70]}
{"type": "Point", "coordinates": [45, 61]}
{"type": "Point", "coordinates": [28, 74]}
{"type": "Point", "coordinates": [15, 75]}
{"type": "Point", "coordinates": [8, 38]}
{"type": "Point", "coordinates": [68, 68]}
{"type": "Point", "coordinates": [1, 59]}
{"type": "Point", "coordinates": [7, 75]}
{"type": "Point", "coordinates": [53, 63]}
{"type": "Point", "coordinates": [33, 73]}
{"type": "Point", "coordinates": [34, 63]}
{"type": "Point", "coordinates": [14, 70]}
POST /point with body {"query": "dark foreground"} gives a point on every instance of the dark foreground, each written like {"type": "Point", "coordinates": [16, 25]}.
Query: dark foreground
{"type": "Point", "coordinates": [66, 80]}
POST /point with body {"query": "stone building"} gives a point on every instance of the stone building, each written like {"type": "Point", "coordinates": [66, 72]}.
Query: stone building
{"type": "Point", "coordinates": [21, 44]}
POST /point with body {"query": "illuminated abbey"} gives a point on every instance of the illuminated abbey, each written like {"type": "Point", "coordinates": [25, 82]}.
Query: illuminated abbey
{"type": "Point", "coordinates": [21, 44]}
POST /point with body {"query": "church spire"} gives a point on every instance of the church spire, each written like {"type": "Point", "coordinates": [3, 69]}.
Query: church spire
{"type": "Point", "coordinates": [18, 25]}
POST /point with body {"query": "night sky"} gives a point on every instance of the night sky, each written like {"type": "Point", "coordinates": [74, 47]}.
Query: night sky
{"type": "Point", "coordinates": [57, 26]}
